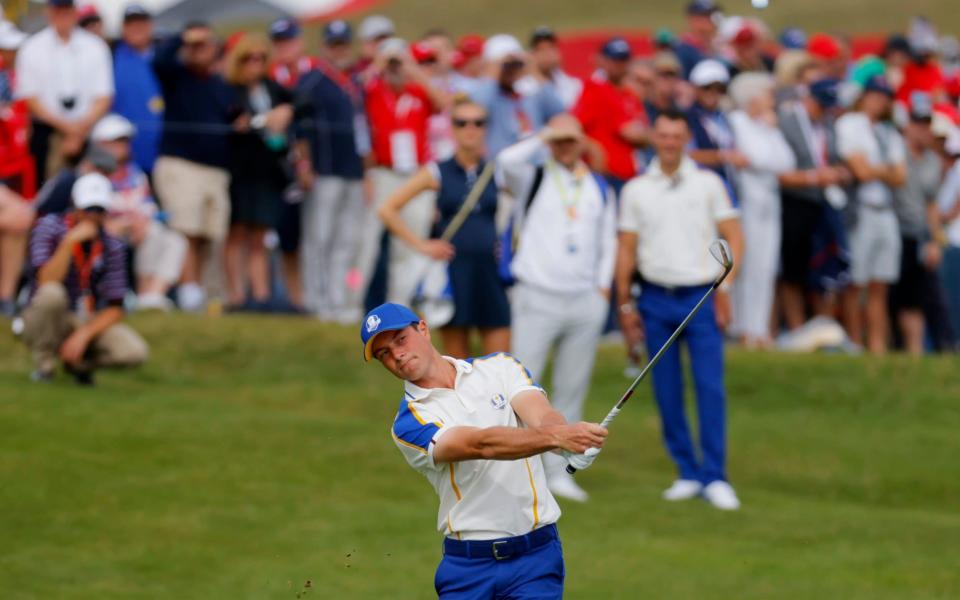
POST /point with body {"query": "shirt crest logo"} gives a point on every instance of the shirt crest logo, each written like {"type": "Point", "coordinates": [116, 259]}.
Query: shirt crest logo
{"type": "Point", "coordinates": [373, 321]}
{"type": "Point", "coordinates": [498, 401]}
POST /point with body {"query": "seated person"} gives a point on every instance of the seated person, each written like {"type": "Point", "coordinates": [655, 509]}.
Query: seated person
{"type": "Point", "coordinates": [79, 280]}
{"type": "Point", "coordinates": [136, 219]}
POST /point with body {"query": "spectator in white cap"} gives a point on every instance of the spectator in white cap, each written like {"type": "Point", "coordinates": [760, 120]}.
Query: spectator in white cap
{"type": "Point", "coordinates": [758, 137]}
{"type": "Point", "coordinates": [373, 30]}
{"type": "Point", "coordinates": [66, 76]}
{"type": "Point", "coordinates": [714, 146]}
{"type": "Point", "coordinates": [511, 115]}
{"type": "Point", "coordinates": [135, 218]}
{"type": "Point", "coordinates": [79, 283]}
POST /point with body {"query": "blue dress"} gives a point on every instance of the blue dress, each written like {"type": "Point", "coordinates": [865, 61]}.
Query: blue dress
{"type": "Point", "coordinates": [478, 292]}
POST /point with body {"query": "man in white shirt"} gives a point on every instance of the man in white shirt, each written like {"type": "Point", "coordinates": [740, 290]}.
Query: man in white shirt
{"type": "Point", "coordinates": [474, 428]}
{"type": "Point", "coordinates": [565, 226]}
{"type": "Point", "coordinates": [547, 61]}
{"type": "Point", "coordinates": [65, 74]}
{"type": "Point", "coordinates": [669, 218]}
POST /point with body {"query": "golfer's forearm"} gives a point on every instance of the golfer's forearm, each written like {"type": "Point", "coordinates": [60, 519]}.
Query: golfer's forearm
{"type": "Point", "coordinates": [497, 443]}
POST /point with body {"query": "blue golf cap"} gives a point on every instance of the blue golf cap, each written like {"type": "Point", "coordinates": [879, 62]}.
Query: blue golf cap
{"type": "Point", "coordinates": [61, 3]}
{"type": "Point", "coordinates": [826, 92]}
{"type": "Point", "coordinates": [879, 83]}
{"type": "Point", "coordinates": [386, 317]}
{"type": "Point", "coordinates": [616, 49]}
{"type": "Point", "coordinates": [284, 29]}
{"type": "Point", "coordinates": [337, 32]}
{"type": "Point", "coordinates": [793, 38]}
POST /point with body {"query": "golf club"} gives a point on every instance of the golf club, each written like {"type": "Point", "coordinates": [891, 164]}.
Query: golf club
{"type": "Point", "coordinates": [720, 251]}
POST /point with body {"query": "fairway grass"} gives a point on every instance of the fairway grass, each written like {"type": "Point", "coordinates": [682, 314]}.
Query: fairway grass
{"type": "Point", "coordinates": [252, 455]}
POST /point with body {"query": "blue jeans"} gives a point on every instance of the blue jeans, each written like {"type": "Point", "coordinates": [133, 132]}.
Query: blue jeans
{"type": "Point", "coordinates": [950, 277]}
{"type": "Point", "coordinates": [535, 575]}
{"type": "Point", "coordinates": [662, 311]}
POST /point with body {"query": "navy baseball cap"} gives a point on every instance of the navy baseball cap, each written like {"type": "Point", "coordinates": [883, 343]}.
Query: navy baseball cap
{"type": "Point", "coordinates": [793, 38]}
{"type": "Point", "coordinates": [134, 12]}
{"type": "Point", "coordinates": [701, 7]}
{"type": "Point", "coordinates": [616, 49]}
{"type": "Point", "coordinates": [337, 32]}
{"type": "Point", "coordinates": [826, 92]}
{"type": "Point", "coordinates": [878, 83]}
{"type": "Point", "coordinates": [284, 29]}
{"type": "Point", "coordinates": [386, 317]}
{"type": "Point", "coordinates": [61, 3]}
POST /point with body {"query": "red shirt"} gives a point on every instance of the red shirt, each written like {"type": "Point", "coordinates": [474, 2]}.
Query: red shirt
{"type": "Point", "coordinates": [288, 77]}
{"type": "Point", "coordinates": [603, 109]}
{"type": "Point", "coordinates": [921, 78]}
{"type": "Point", "coordinates": [398, 123]}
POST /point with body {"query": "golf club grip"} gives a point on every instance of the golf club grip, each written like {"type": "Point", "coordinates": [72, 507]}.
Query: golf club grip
{"type": "Point", "coordinates": [607, 420]}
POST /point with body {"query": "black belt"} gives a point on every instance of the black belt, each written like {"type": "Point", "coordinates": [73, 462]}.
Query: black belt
{"type": "Point", "coordinates": [672, 289]}
{"type": "Point", "coordinates": [501, 549]}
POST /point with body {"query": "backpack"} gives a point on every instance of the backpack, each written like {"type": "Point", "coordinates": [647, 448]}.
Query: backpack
{"type": "Point", "coordinates": [510, 237]}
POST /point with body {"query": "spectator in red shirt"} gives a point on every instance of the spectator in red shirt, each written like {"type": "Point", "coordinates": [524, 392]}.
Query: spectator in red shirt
{"type": "Point", "coordinates": [611, 114]}
{"type": "Point", "coordinates": [290, 61]}
{"type": "Point", "coordinates": [469, 58]}
{"type": "Point", "coordinates": [399, 102]}
{"type": "Point", "coordinates": [923, 74]}
{"type": "Point", "coordinates": [828, 55]}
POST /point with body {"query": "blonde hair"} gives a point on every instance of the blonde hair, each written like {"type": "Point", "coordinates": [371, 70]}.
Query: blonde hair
{"type": "Point", "coordinates": [747, 86]}
{"type": "Point", "coordinates": [789, 66]}
{"type": "Point", "coordinates": [249, 44]}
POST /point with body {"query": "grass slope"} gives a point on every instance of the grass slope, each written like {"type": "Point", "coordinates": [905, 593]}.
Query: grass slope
{"type": "Point", "coordinates": [252, 455]}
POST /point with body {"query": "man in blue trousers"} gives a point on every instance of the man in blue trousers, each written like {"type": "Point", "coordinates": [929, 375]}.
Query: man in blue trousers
{"type": "Point", "coordinates": [669, 217]}
{"type": "Point", "coordinates": [475, 428]}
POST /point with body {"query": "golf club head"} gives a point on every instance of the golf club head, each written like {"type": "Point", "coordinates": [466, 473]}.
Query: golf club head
{"type": "Point", "coordinates": [720, 251]}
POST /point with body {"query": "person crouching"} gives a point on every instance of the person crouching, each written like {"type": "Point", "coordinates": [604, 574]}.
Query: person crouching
{"type": "Point", "coordinates": [79, 279]}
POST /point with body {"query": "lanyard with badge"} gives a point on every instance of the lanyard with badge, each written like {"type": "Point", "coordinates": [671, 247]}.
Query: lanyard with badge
{"type": "Point", "coordinates": [84, 262]}
{"type": "Point", "coordinates": [571, 202]}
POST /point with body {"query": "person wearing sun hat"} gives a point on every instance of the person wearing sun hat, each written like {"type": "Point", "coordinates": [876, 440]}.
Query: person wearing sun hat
{"type": "Point", "coordinates": [79, 283]}
{"type": "Point", "coordinates": [475, 429]}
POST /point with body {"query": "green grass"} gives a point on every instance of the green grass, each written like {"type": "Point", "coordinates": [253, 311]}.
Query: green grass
{"type": "Point", "coordinates": [252, 455]}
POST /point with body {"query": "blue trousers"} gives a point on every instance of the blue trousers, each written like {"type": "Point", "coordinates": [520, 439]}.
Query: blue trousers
{"type": "Point", "coordinates": [535, 575]}
{"type": "Point", "coordinates": [662, 311]}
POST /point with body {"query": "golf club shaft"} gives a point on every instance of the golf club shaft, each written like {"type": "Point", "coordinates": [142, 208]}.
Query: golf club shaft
{"type": "Point", "coordinates": [656, 358]}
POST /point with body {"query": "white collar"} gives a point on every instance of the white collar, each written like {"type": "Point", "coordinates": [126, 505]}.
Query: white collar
{"type": "Point", "coordinates": [413, 392]}
{"type": "Point", "coordinates": [687, 166]}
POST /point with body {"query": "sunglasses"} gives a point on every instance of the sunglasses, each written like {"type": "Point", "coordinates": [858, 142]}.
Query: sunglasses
{"type": "Point", "coordinates": [95, 210]}
{"type": "Point", "coordinates": [461, 123]}
{"type": "Point", "coordinates": [257, 57]}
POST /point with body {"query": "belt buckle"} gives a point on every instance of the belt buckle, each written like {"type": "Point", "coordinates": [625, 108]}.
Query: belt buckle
{"type": "Point", "coordinates": [496, 553]}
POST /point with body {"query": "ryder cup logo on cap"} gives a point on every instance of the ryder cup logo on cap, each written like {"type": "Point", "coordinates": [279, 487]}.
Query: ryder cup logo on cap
{"type": "Point", "coordinates": [616, 49]}
{"type": "Point", "coordinates": [498, 402]}
{"type": "Point", "coordinates": [386, 317]}
{"type": "Point", "coordinates": [284, 29]}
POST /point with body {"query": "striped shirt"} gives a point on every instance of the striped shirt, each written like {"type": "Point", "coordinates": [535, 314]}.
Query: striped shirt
{"type": "Point", "coordinates": [108, 278]}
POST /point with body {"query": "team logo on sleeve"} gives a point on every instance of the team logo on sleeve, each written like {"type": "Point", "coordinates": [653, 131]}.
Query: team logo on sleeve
{"type": "Point", "coordinates": [373, 321]}
{"type": "Point", "coordinates": [498, 401]}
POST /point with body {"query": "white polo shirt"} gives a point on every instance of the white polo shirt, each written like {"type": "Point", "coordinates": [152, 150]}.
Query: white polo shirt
{"type": "Point", "coordinates": [479, 499]}
{"type": "Point", "coordinates": [53, 71]}
{"type": "Point", "coordinates": [675, 218]}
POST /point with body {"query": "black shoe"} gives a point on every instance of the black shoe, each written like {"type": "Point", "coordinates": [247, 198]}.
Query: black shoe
{"type": "Point", "coordinates": [83, 378]}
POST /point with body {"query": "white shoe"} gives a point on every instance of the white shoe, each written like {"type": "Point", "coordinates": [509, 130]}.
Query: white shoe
{"type": "Point", "coordinates": [721, 495]}
{"type": "Point", "coordinates": [562, 484]}
{"type": "Point", "coordinates": [191, 297]}
{"type": "Point", "coordinates": [682, 489]}
{"type": "Point", "coordinates": [154, 302]}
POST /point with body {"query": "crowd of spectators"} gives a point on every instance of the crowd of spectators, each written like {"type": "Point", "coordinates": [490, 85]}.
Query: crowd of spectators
{"type": "Point", "coordinates": [250, 175]}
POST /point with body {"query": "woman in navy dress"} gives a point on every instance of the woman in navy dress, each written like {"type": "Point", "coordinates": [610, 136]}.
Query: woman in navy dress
{"type": "Point", "coordinates": [478, 292]}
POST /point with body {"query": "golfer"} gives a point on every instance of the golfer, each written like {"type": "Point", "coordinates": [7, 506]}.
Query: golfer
{"type": "Point", "coordinates": [473, 428]}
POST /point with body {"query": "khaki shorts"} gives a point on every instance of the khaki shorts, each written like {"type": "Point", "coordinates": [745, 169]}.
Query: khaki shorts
{"type": "Point", "coordinates": [196, 197]}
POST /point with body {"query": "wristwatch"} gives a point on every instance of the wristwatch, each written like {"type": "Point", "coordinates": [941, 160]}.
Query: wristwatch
{"type": "Point", "coordinates": [626, 308]}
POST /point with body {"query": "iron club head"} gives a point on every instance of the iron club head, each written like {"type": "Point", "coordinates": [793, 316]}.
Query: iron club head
{"type": "Point", "coordinates": [720, 251]}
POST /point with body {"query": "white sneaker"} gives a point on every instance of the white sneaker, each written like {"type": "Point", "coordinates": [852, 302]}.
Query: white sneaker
{"type": "Point", "coordinates": [562, 484]}
{"type": "Point", "coordinates": [154, 302]}
{"type": "Point", "coordinates": [191, 297]}
{"type": "Point", "coordinates": [721, 495]}
{"type": "Point", "coordinates": [682, 489]}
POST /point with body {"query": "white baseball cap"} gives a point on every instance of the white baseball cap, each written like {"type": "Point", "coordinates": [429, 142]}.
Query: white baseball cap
{"type": "Point", "coordinates": [708, 72]}
{"type": "Point", "coordinates": [92, 190]}
{"type": "Point", "coordinates": [112, 127]}
{"type": "Point", "coordinates": [952, 145]}
{"type": "Point", "coordinates": [501, 46]}
{"type": "Point", "coordinates": [376, 26]}
{"type": "Point", "coordinates": [392, 47]}
{"type": "Point", "coordinates": [10, 37]}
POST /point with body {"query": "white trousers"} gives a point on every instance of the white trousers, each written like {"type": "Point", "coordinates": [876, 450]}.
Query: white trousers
{"type": "Point", "coordinates": [161, 253]}
{"type": "Point", "coordinates": [754, 290]}
{"type": "Point", "coordinates": [418, 214]}
{"type": "Point", "coordinates": [331, 219]}
{"type": "Point", "coordinates": [570, 325]}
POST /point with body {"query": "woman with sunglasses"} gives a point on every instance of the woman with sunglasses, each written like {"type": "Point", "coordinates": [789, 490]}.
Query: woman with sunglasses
{"type": "Point", "coordinates": [258, 177]}
{"type": "Point", "coordinates": [478, 292]}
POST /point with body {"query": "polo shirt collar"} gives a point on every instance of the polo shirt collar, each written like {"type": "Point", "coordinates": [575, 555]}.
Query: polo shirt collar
{"type": "Point", "coordinates": [414, 393]}
{"type": "Point", "coordinates": [687, 166]}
